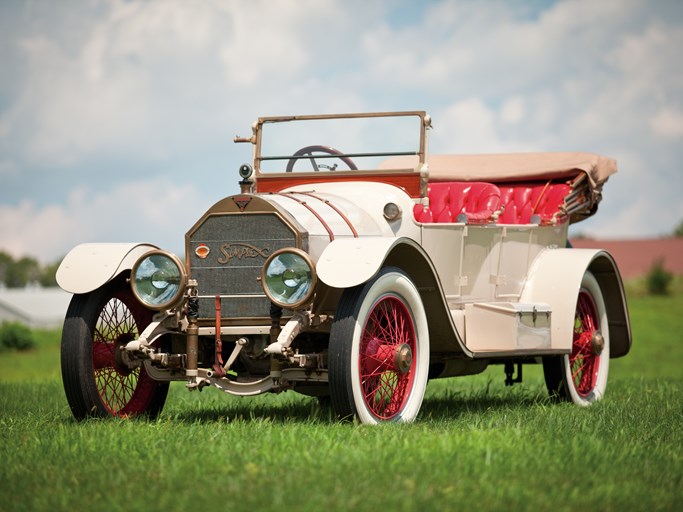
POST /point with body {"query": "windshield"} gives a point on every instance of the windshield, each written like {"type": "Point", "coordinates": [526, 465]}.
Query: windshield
{"type": "Point", "coordinates": [337, 143]}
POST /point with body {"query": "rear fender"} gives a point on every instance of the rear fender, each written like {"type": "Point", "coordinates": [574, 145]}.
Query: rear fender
{"type": "Point", "coordinates": [555, 279]}
{"type": "Point", "coordinates": [88, 266]}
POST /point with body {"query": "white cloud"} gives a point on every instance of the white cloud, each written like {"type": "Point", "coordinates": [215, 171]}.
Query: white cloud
{"type": "Point", "coordinates": [472, 125]}
{"type": "Point", "coordinates": [116, 89]}
{"type": "Point", "coordinates": [150, 77]}
{"type": "Point", "coordinates": [668, 123]}
{"type": "Point", "coordinates": [137, 75]}
{"type": "Point", "coordinates": [636, 202]}
{"type": "Point", "coordinates": [143, 211]}
{"type": "Point", "coordinates": [26, 229]}
{"type": "Point", "coordinates": [513, 110]}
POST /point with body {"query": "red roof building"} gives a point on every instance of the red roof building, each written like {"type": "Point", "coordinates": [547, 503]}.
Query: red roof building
{"type": "Point", "coordinates": [636, 257]}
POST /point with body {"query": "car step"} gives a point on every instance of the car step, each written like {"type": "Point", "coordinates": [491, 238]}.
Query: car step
{"type": "Point", "coordinates": [507, 326]}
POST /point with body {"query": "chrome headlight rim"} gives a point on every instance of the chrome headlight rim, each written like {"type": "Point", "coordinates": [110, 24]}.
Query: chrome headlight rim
{"type": "Point", "coordinates": [177, 297]}
{"type": "Point", "coordinates": [308, 298]}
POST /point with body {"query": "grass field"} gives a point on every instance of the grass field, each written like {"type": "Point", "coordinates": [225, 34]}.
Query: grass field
{"type": "Point", "coordinates": [476, 444]}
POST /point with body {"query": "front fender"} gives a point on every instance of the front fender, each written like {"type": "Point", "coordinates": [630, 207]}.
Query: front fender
{"type": "Point", "coordinates": [348, 262]}
{"type": "Point", "coordinates": [555, 279]}
{"type": "Point", "coordinates": [88, 266]}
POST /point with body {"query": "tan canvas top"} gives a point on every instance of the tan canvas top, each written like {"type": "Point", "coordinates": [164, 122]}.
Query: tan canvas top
{"type": "Point", "coordinates": [512, 167]}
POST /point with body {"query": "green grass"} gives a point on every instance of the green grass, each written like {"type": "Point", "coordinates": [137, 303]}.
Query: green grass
{"type": "Point", "coordinates": [41, 363]}
{"type": "Point", "coordinates": [476, 443]}
{"type": "Point", "coordinates": [657, 328]}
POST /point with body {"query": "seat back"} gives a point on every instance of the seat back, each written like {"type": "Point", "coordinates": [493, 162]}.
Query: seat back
{"type": "Point", "coordinates": [471, 201]}
{"type": "Point", "coordinates": [521, 201]}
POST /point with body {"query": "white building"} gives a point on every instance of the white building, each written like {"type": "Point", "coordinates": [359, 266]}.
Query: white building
{"type": "Point", "coordinates": [42, 308]}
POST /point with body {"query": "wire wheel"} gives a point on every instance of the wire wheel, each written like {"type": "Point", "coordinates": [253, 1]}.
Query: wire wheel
{"type": "Point", "coordinates": [581, 377]}
{"type": "Point", "coordinates": [386, 363]}
{"type": "Point", "coordinates": [99, 378]}
{"type": "Point", "coordinates": [584, 362]}
{"type": "Point", "coordinates": [379, 351]}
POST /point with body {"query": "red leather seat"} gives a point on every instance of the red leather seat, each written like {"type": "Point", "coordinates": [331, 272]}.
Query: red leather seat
{"type": "Point", "coordinates": [521, 201]}
{"type": "Point", "coordinates": [459, 202]}
{"type": "Point", "coordinates": [516, 204]}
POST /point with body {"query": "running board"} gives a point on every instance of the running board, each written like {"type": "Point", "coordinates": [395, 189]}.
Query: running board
{"type": "Point", "coordinates": [497, 328]}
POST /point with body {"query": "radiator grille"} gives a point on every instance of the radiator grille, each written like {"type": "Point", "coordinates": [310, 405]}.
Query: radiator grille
{"type": "Point", "coordinates": [238, 246]}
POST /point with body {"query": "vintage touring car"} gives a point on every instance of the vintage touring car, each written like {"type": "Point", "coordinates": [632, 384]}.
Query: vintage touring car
{"type": "Point", "coordinates": [353, 267]}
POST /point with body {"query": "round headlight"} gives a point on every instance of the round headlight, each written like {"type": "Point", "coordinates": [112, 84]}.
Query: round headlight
{"type": "Point", "coordinates": [158, 280]}
{"type": "Point", "coordinates": [289, 278]}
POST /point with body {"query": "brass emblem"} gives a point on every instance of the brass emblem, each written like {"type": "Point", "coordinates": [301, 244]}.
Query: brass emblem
{"type": "Point", "coordinates": [240, 251]}
{"type": "Point", "coordinates": [202, 251]}
{"type": "Point", "coordinates": [241, 202]}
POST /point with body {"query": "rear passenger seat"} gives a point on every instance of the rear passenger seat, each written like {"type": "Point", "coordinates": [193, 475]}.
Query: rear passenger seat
{"type": "Point", "coordinates": [480, 202]}
{"type": "Point", "coordinates": [459, 201]}
{"type": "Point", "coordinates": [522, 201]}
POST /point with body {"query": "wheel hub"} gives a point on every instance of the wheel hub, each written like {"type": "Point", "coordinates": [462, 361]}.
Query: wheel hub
{"type": "Point", "coordinates": [597, 343]}
{"type": "Point", "coordinates": [123, 361]}
{"type": "Point", "coordinates": [403, 359]}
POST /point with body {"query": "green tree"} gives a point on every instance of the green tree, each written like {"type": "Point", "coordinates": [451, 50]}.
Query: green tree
{"type": "Point", "coordinates": [17, 273]}
{"type": "Point", "coordinates": [6, 262]}
{"type": "Point", "coordinates": [24, 271]}
{"type": "Point", "coordinates": [678, 232]}
{"type": "Point", "coordinates": [658, 279]}
{"type": "Point", "coordinates": [48, 274]}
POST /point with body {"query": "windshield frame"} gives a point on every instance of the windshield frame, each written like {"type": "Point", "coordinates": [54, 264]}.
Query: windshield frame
{"type": "Point", "coordinates": [382, 173]}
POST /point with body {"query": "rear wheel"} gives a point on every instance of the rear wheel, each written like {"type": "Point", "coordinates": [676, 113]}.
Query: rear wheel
{"type": "Point", "coordinates": [379, 351]}
{"type": "Point", "coordinates": [581, 377]}
{"type": "Point", "coordinates": [98, 379]}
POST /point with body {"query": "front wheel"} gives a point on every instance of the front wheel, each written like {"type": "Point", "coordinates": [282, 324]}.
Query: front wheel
{"type": "Point", "coordinates": [379, 351]}
{"type": "Point", "coordinates": [581, 377]}
{"type": "Point", "coordinates": [98, 381]}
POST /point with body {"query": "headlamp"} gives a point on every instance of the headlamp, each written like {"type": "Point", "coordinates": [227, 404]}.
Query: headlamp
{"type": "Point", "coordinates": [158, 280]}
{"type": "Point", "coordinates": [289, 278]}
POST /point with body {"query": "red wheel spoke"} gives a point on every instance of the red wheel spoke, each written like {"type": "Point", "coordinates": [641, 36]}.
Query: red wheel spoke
{"type": "Point", "coordinates": [389, 325]}
{"type": "Point", "coordinates": [579, 368]}
{"type": "Point", "coordinates": [584, 361]}
{"type": "Point", "coordinates": [581, 376]}
{"type": "Point", "coordinates": [583, 342]}
{"type": "Point", "coordinates": [122, 391]}
{"type": "Point", "coordinates": [111, 383]}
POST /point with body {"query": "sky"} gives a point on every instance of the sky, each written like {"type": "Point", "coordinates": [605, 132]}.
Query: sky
{"type": "Point", "coordinates": [117, 117]}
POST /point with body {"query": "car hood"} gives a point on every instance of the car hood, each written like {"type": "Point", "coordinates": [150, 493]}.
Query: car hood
{"type": "Point", "coordinates": [329, 211]}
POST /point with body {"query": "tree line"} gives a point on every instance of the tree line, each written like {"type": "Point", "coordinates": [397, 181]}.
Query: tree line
{"type": "Point", "coordinates": [25, 271]}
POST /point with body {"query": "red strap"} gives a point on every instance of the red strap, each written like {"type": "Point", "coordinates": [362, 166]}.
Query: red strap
{"type": "Point", "coordinates": [218, 365]}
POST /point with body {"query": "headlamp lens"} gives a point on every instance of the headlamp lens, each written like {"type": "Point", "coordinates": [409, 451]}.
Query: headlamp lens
{"type": "Point", "coordinates": [288, 279]}
{"type": "Point", "coordinates": [158, 280]}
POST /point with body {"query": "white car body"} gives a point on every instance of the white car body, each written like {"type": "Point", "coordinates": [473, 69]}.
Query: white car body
{"type": "Point", "coordinates": [496, 287]}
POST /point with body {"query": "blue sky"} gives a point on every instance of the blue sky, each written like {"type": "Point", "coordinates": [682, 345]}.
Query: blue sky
{"type": "Point", "coordinates": [116, 117]}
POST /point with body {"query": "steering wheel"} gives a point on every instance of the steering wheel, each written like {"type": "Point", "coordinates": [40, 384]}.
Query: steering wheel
{"type": "Point", "coordinates": [309, 150]}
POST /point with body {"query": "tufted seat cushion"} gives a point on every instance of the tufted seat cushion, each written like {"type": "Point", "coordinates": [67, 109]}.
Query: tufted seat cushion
{"type": "Point", "coordinates": [523, 200]}
{"type": "Point", "coordinates": [471, 201]}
